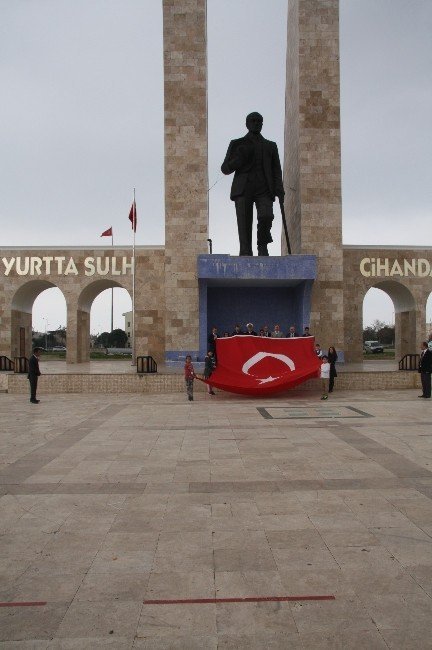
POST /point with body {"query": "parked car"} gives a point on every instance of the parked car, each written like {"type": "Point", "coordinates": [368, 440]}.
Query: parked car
{"type": "Point", "coordinates": [127, 352]}
{"type": "Point", "coordinates": [375, 347]}
{"type": "Point", "coordinates": [59, 348]}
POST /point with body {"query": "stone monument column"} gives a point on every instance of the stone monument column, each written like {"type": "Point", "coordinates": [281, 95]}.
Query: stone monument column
{"type": "Point", "coordinates": [312, 163]}
{"type": "Point", "coordinates": [186, 173]}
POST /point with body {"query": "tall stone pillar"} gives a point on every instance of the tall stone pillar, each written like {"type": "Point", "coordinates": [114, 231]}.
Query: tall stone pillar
{"type": "Point", "coordinates": [312, 164]}
{"type": "Point", "coordinates": [186, 174]}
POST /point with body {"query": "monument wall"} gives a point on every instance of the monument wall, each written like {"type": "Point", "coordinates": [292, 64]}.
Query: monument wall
{"type": "Point", "coordinates": [405, 274]}
{"type": "Point", "coordinates": [312, 164]}
{"type": "Point", "coordinates": [186, 176]}
{"type": "Point", "coordinates": [81, 275]}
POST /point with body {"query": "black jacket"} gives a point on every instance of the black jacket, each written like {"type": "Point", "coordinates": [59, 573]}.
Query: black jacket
{"type": "Point", "coordinates": [240, 159]}
{"type": "Point", "coordinates": [211, 342]}
{"type": "Point", "coordinates": [209, 366]}
{"type": "Point", "coordinates": [425, 364]}
{"type": "Point", "coordinates": [332, 358]}
{"type": "Point", "coordinates": [33, 367]}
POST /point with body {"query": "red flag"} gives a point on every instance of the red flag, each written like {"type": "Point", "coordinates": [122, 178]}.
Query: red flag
{"type": "Point", "coordinates": [255, 365]}
{"type": "Point", "coordinates": [107, 233]}
{"type": "Point", "coordinates": [133, 216]}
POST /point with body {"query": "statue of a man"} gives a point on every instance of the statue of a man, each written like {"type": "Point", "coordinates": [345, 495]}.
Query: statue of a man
{"type": "Point", "coordinates": [257, 179]}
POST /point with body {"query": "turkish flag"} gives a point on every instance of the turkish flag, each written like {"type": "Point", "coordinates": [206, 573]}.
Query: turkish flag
{"type": "Point", "coordinates": [107, 233]}
{"type": "Point", "coordinates": [133, 216]}
{"type": "Point", "coordinates": [256, 365]}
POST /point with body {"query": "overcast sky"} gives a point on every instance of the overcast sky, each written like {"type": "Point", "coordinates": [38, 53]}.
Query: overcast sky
{"type": "Point", "coordinates": [82, 122]}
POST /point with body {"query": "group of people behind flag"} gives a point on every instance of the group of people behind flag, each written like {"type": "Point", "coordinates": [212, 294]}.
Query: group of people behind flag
{"type": "Point", "coordinates": [264, 331]}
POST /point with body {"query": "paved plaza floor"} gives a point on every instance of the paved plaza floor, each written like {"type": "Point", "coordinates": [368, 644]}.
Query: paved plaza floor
{"type": "Point", "coordinates": [245, 512]}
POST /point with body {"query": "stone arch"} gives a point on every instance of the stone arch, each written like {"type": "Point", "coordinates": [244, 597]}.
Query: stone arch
{"type": "Point", "coordinates": [21, 315]}
{"type": "Point", "coordinates": [406, 315]}
{"type": "Point", "coordinates": [79, 321]}
{"type": "Point", "coordinates": [428, 312]}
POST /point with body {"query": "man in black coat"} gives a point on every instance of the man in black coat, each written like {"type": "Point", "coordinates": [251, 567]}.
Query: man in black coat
{"type": "Point", "coordinates": [211, 340]}
{"type": "Point", "coordinates": [257, 179]}
{"type": "Point", "coordinates": [425, 369]}
{"type": "Point", "coordinates": [33, 374]}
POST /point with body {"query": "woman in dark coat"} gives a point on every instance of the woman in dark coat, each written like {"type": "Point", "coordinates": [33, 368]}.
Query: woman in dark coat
{"type": "Point", "coordinates": [332, 358]}
{"type": "Point", "coordinates": [209, 366]}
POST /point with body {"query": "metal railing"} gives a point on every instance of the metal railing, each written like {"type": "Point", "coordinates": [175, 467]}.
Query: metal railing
{"type": "Point", "coordinates": [146, 365]}
{"type": "Point", "coordinates": [409, 362]}
{"type": "Point", "coordinates": [6, 363]}
{"type": "Point", "coordinates": [21, 365]}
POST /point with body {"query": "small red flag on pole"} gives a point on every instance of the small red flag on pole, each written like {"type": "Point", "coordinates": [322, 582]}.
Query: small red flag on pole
{"type": "Point", "coordinates": [107, 233]}
{"type": "Point", "coordinates": [133, 216]}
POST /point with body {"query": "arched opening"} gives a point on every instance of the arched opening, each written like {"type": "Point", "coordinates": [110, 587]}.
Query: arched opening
{"type": "Point", "coordinates": [378, 324]}
{"type": "Point", "coordinates": [429, 317]}
{"type": "Point", "coordinates": [111, 310]}
{"type": "Point", "coordinates": [37, 307]}
{"type": "Point", "coordinates": [377, 312]}
{"type": "Point", "coordinates": [49, 318]}
{"type": "Point", "coordinates": [94, 313]}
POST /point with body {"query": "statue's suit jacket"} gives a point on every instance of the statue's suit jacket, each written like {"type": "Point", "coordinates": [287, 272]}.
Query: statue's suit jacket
{"type": "Point", "coordinates": [241, 162]}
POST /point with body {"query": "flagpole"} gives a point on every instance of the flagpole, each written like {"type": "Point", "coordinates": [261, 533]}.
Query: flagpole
{"type": "Point", "coordinates": [133, 280]}
{"type": "Point", "coordinates": [112, 289]}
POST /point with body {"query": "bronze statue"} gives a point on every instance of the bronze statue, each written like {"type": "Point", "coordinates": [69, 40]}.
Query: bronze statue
{"type": "Point", "coordinates": [257, 179]}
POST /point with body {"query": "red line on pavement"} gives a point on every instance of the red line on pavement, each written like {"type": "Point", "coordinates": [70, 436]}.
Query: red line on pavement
{"type": "Point", "coordinates": [249, 599]}
{"type": "Point", "coordinates": [24, 604]}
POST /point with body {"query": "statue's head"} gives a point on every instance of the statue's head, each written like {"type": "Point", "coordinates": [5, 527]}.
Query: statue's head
{"type": "Point", "coordinates": [254, 122]}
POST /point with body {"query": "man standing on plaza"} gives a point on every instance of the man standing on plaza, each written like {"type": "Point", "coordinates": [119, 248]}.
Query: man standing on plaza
{"type": "Point", "coordinates": [34, 374]}
{"type": "Point", "coordinates": [257, 179]}
{"type": "Point", "coordinates": [425, 369]}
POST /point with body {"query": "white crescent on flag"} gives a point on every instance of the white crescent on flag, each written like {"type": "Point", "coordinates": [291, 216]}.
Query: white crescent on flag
{"type": "Point", "coordinates": [259, 356]}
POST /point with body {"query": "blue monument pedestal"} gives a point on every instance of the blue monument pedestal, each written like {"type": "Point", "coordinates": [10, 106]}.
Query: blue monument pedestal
{"type": "Point", "coordinates": [258, 290]}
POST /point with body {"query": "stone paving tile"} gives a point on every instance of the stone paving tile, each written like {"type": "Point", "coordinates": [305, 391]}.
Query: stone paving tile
{"type": "Point", "coordinates": [260, 640]}
{"type": "Point", "coordinates": [409, 612]}
{"type": "Point", "coordinates": [177, 620]}
{"type": "Point", "coordinates": [121, 561]}
{"type": "Point", "coordinates": [244, 583]}
{"type": "Point", "coordinates": [422, 574]}
{"type": "Point", "coordinates": [91, 643]}
{"type": "Point", "coordinates": [308, 581]}
{"type": "Point", "coordinates": [364, 581]}
{"type": "Point", "coordinates": [35, 587]}
{"type": "Point", "coordinates": [121, 586]}
{"type": "Point", "coordinates": [175, 584]}
{"type": "Point", "coordinates": [130, 497]}
{"type": "Point", "coordinates": [247, 618]}
{"type": "Point", "coordinates": [243, 560]}
{"type": "Point", "coordinates": [345, 640]}
{"type": "Point", "coordinates": [26, 623]}
{"type": "Point", "coordinates": [332, 616]}
{"type": "Point", "coordinates": [100, 619]}
{"type": "Point", "coordinates": [407, 639]}
{"type": "Point", "coordinates": [34, 644]}
{"type": "Point", "coordinates": [176, 642]}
